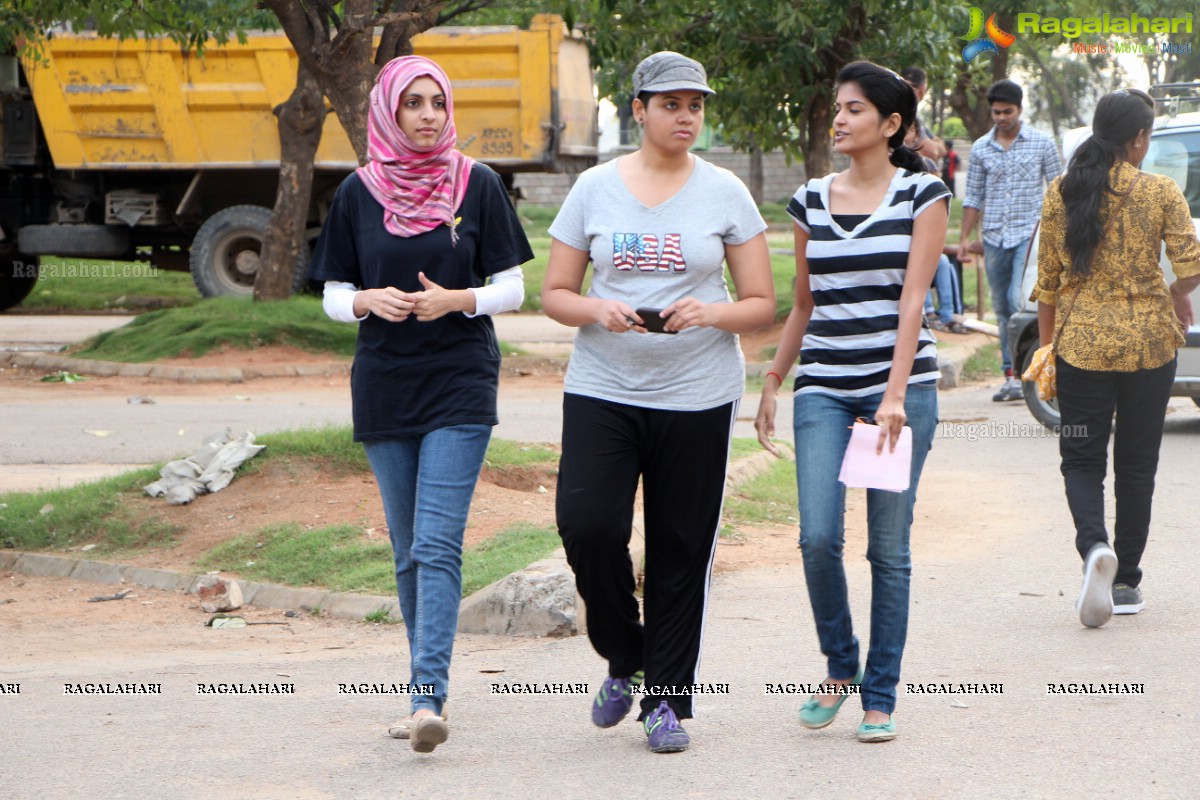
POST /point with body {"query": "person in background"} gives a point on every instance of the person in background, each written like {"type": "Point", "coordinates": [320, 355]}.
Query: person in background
{"type": "Point", "coordinates": [1007, 175]}
{"type": "Point", "coordinates": [867, 245]}
{"type": "Point", "coordinates": [1103, 226]}
{"type": "Point", "coordinates": [945, 279]}
{"type": "Point", "coordinates": [420, 247]}
{"type": "Point", "coordinates": [950, 162]}
{"type": "Point", "coordinates": [658, 227]}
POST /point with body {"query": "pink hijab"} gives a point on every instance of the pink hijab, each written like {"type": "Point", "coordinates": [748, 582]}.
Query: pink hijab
{"type": "Point", "coordinates": [419, 189]}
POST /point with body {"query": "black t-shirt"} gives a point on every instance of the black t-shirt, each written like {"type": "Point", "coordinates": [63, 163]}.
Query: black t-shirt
{"type": "Point", "coordinates": [413, 377]}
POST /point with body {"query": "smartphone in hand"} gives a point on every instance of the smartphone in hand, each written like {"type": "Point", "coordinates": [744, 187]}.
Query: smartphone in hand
{"type": "Point", "coordinates": [653, 320]}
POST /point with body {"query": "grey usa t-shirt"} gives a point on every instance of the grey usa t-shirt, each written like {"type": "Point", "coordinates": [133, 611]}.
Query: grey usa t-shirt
{"type": "Point", "coordinates": [648, 258]}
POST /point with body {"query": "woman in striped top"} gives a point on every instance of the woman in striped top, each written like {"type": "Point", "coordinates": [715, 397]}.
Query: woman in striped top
{"type": "Point", "coordinates": [867, 244]}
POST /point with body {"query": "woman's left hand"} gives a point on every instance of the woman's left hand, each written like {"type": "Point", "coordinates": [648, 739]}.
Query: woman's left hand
{"type": "Point", "coordinates": [436, 301]}
{"type": "Point", "coordinates": [688, 313]}
{"type": "Point", "coordinates": [890, 417]}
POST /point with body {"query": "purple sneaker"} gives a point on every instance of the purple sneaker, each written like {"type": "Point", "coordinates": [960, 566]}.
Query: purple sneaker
{"type": "Point", "coordinates": [664, 732]}
{"type": "Point", "coordinates": [614, 700]}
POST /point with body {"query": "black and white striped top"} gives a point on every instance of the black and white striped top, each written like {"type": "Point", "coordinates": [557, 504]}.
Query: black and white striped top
{"type": "Point", "coordinates": [856, 276]}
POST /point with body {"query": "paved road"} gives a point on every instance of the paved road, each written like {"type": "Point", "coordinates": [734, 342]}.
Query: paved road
{"type": "Point", "coordinates": [994, 584]}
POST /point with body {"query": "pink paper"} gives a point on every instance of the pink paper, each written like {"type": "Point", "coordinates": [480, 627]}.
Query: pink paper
{"type": "Point", "coordinates": [862, 468]}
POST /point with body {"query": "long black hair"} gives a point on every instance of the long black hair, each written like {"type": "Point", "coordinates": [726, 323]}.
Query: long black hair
{"type": "Point", "coordinates": [890, 94]}
{"type": "Point", "coordinates": [1120, 117]}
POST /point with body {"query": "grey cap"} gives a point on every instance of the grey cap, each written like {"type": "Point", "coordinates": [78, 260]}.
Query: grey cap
{"type": "Point", "coordinates": [668, 71]}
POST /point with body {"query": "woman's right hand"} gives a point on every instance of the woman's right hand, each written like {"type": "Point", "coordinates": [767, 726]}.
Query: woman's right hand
{"type": "Point", "coordinates": [388, 303]}
{"type": "Point", "coordinates": [618, 317]}
{"type": "Point", "coordinates": [1181, 299]}
{"type": "Point", "coordinates": [764, 422]}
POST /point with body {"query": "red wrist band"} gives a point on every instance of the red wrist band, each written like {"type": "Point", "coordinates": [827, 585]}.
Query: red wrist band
{"type": "Point", "coordinates": [778, 377]}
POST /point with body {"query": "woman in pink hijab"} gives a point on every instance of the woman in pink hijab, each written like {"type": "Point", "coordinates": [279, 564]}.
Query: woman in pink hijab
{"type": "Point", "coordinates": [421, 246]}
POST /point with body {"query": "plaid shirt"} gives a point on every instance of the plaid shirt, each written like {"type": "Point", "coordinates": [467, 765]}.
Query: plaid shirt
{"type": "Point", "coordinates": [1009, 184]}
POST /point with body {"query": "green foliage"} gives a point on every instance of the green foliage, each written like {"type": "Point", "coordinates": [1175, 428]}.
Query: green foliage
{"type": "Point", "coordinates": [188, 23]}
{"type": "Point", "coordinates": [953, 128]}
{"type": "Point", "coordinates": [761, 101]}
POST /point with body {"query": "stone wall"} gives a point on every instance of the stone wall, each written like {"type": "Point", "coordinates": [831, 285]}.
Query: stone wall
{"type": "Point", "coordinates": [780, 180]}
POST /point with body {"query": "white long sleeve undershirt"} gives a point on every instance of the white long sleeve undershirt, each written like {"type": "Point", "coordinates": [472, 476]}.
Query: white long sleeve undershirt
{"type": "Point", "coordinates": [505, 291]}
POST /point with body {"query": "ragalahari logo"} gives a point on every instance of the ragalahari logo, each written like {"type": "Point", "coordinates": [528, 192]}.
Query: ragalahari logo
{"type": "Point", "coordinates": [978, 42]}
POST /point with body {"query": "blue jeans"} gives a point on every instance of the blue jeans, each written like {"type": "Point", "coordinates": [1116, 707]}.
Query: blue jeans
{"type": "Point", "coordinates": [822, 427]}
{"type": "Point", "coordinates": [945, 283]}
{"type": "Point", "coordinates": [1005, 265]}
{"type": "Point", "coordinates": [426, 482]}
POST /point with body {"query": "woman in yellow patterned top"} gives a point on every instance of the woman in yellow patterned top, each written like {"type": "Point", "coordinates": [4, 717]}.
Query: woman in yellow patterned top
{"type": "Point", "coordinates": [1103, 224]}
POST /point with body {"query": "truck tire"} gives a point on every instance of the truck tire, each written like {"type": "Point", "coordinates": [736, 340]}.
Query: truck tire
{"type": "Point", "coordinates": [1044, 411]}
{"type": "Point", "coordinates": [75, 241]}
{"type": "Point", "coordinates": [18, 275]}
{"type": "Point", "coordinates": [225, 253]}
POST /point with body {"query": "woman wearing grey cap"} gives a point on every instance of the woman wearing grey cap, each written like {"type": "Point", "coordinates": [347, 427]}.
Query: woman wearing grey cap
{"type": "Point", "coordinates": [652, 388]}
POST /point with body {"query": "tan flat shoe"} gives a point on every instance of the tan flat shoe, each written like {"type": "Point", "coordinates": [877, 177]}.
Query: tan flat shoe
{"type": "Point", "coordinates": [402, 728]}
{"type": "Point", "coordinates": [426, 733]}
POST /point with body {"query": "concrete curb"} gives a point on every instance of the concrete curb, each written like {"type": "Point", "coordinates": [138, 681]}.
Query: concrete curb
{"type": "Point", "coordinates": [344, 605]}
{"type": "Point", "coordinates": [52, 362]}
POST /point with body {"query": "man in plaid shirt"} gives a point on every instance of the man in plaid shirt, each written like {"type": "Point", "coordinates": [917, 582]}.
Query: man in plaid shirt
{"type": "Point", "coordinates": [1007, 175]}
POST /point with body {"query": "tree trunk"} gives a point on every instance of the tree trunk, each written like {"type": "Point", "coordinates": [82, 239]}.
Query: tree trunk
{"type": "Point", "coordinates": [818, 152]}
{"type": "Point", "coordinates": [969, 102]}
{"type": "Point", "coordinates": [340, 60]}
{"type": "Point", "coordinates": [756, 174]}
{"type": "Point", "coordinates": [301, 119]}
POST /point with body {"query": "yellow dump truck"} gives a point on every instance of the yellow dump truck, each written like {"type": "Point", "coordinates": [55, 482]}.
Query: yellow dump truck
{"type": "Point", "coordinates": [137, 150]}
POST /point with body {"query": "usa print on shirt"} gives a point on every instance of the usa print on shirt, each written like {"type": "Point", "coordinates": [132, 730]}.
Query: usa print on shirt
{"type": "Point", "coordinates": [641, 251]}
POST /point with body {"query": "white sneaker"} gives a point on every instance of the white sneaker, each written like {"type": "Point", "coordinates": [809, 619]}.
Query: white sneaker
{"type": "Point", "coordinates": [1095, 603]}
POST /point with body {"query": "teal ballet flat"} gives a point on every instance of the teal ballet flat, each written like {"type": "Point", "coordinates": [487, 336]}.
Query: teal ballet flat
{"type": "Point", "coordinates": [877, 733]}
{"type": "Point", "coordinates": [813, 715]}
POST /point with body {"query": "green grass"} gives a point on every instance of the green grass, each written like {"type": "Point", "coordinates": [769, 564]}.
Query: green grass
{"type": "Point", "coordinates": [331, 445]}
{"type": "Point", "coordinates": [94, 285]}
{"type": "Point", "coordinates": [768, 498]}
{"type": "Point", "coordinates": [515, 547]}
{"type": "Point", "coordinates": [503, 453]}
{"type": "Point", "coordinates": [342, 559]}
{"type": "Point", "coordinates": [337, 557]}
{"type": "Point", "coordinates": [744, 448]}
{"type": "Point", "coordinates": [92, 513]}
{"type": "Point", "coordinates": [983, 364]}
{"type": "Point", "coordinates": [224, 322]}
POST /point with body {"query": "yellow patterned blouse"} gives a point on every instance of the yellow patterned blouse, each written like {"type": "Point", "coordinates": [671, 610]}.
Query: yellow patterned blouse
{"type": "Point", "coordinates": [1122, 319]}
